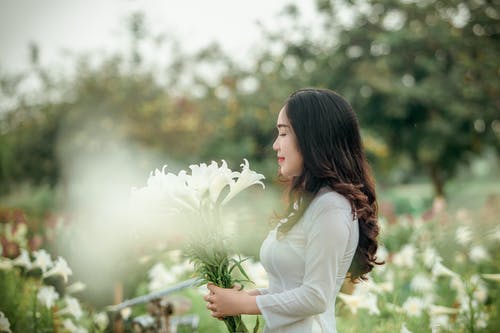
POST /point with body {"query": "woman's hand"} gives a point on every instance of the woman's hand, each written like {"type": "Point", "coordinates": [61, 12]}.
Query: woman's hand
{"type": "Point", "coordinates": [224, 302]}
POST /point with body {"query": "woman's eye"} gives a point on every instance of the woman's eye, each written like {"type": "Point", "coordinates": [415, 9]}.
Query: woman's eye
{"type": "Point", "coordinates": [282, 134]}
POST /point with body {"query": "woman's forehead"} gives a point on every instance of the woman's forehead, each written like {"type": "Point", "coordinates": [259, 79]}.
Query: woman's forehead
{"type": "Point", "coordinates": [282, 119]}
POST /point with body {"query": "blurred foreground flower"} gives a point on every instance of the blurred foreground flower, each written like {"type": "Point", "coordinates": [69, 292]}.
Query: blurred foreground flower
{"type": "Point", "coordinates": [406, 257]}
{"type": "Point", "coordinates": [75, 287]}
{"type": "Point", "coordinates": [166, 191]}
{"type": "Point", "coordinates": [4, 324]}
{"type": "Point", "coordinates": [478, 253]}
{"type": "Point", "coordinates": [366, 301]}
{"type": "Point", "coordinates": [414, 306]}
{"type": "Point", "coordinates": [404, 329]}
{"type": "Point", "coordinates": [72, 328]}
{"type": "Point", "coordinates": [463, 235]}
{"type": "Point", "coordinates": [440, 270]}
{"type": "Point", "coordinates": [42, 260]}
{"type": "Point", "coordinates": [72, 307]}
{"type": "Point", "coordinates": [492, 277]}
{"type": "Point", "coordinates": [60, 268]}
{"type": "Point", "coordinates": [101, 320]}
{"type": "Point", "coordinates": [197, 198]}
{"type": "Point", "coordinates": [23, 260]}
{"type": "Point", "coordinates": [47, 295]}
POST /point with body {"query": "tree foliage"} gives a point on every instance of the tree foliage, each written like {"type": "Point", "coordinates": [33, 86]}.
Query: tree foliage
{"type": "Point", "coordinates": [422, 75]}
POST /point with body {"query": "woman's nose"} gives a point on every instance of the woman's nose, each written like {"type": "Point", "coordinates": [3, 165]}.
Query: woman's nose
{"type": "Point", "coordinates": [275, 145]}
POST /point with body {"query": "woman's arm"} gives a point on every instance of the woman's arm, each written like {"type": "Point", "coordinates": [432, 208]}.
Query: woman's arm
{"type": "Point", "coordinates": [254, 292]}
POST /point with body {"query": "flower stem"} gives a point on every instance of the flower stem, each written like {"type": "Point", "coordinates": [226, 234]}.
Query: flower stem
{"type": "Point", "coordinates": [35, 303]}
{"type": "Point", "coordinates": [235, 324]}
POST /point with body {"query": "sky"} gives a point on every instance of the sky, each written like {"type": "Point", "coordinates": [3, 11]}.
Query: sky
{"type": "Point", "coordinates": [59, 26]}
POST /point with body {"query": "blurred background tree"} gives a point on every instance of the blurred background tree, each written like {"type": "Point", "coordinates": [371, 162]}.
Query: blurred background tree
{"type": "Point", "coordinates": [422, 75]}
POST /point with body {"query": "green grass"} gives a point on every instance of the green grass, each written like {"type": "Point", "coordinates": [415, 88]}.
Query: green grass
{"type": "Point", "coordinates": [462, 193]}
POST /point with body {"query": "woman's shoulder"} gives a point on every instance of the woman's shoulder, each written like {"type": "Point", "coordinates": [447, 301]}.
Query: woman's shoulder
{"type": "Point", "coordinates": [331, 203]}
{"type": "Point", "coordinates": [328, 198]}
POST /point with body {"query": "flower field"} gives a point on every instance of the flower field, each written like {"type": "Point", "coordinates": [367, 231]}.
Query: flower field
{"type": "Point", "coordinates": [442, 274]}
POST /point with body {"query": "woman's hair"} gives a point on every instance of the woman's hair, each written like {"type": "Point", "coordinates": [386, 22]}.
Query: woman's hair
{"type": "Point", "coordinates": [328, 138]}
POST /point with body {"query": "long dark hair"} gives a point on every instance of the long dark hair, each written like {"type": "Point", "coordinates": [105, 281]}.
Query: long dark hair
{"type": "Point", "coordinates": [328, 138]}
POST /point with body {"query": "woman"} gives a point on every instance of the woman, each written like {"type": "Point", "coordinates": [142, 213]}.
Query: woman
{"type": "Point", "coordinates": [330, 229]}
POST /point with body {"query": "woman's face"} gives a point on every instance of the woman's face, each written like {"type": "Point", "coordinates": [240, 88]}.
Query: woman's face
{"type": "Point", "coordinates": [289, 157]}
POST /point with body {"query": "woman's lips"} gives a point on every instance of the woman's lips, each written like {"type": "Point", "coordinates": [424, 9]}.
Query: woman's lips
{"type": "Point", "coordinates": [280, 159]}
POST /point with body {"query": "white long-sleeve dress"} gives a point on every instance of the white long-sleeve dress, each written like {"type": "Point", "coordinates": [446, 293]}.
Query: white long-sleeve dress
{"type": "Point", "coordinates": [306, 268]}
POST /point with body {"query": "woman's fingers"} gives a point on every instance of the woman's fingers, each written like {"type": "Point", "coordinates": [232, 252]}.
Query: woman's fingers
{"type": "Point", "coordinates": [210, 299]}
{"type": "Point", "coordinates": [212, 287]}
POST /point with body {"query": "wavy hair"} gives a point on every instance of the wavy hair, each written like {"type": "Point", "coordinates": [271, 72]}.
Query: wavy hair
{"type": "Point", "coordinates": [329, 140]}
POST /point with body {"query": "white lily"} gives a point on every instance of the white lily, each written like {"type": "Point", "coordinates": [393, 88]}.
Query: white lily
{"type": "Point", "coordinates": [492, 277]}
{"type": "Point", "coordinates": [222, 178]}
{"type": "Point", "coordinates": [76, 287]}
{"type": "Point", "coordinates": [101, 320]}
{"type": "Point", "coordinates": [414, 306]}
{"type": "Point", "coordinates": [246, 179]}
{"type": "Point", "coordinates": [457, 283]}
{"type": "Point", "coordinates": [23, 260]}
{"type": "Point", "coordinates": [439, 322]}
{"type": "Point", "coordinates": [463, 235]}
{"type": "Point", "coordinates": [421, 283]}
{"type": "Point", "coordinates": [72, 328]}
{"type": "Point", "coordinates": [354, 302]}
{"type": "Point", "coordinates": [480, 292]}
{"type": "Point", "coordinates": [171, 190]}
{"type": "Point", "coordinates": [430, 257]}
{"type": "Point", "coordinates": [394, 308]}
{"type": "Point", "coordinates": [404, 329]}
{"type": "Point", "coordinates": [42, 260]}
{"type": "Point", "coordinates": [436, 310]}
{"type": "Point", "coordinates": [125, 313]}
{"type": "Point", "coordinates": [382, 253]}
{"type": "Point", "coordinates": [160, 277]}
{"type": "Point", "coordinates": [494, 234]}
{"type": "Point", "coordinates": [405, 257]}
{"type": "Point", "coordinates": [440, 270]}
{"type": "Point", "coordinates": [370, 303]}
{"type": "Point", "coordinates": [478, 253]}
{"type": "Point", "coordinates": [366, 286]}
{"type": "Point", "coordinates": [358, 301]}
{"type": "Point", "coordinates": [210, 179]}
{"type": "Point", "coordinates": [4, 323]}
{"type": "Point", "coordinates": [199, 177]}
{"type": "Point", "coordinates": [72, 307]}
{"type": "Point", "coordinates": [47, 295]}
{"type": "Point", "coordinates": [60, 268]}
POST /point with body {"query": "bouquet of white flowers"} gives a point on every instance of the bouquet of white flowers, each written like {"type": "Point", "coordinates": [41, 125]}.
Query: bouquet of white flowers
{"type": "Point", "coordinates": [197, 199]}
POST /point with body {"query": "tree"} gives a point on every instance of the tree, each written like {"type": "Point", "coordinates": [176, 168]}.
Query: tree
{"type": "Point", "coordinates": [423, 75]}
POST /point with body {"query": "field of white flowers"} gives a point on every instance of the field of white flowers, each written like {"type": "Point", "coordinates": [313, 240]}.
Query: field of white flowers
{"type": "Point", "coordinates": [442, 274]}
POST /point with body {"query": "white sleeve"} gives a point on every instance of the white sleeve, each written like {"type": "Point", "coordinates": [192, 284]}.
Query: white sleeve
{"type": "Point", "coordinates": [327, 238]}
{"type": "Point", "coordinates": [263, 291]}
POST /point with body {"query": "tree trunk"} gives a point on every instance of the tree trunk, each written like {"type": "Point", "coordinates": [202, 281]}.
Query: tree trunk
{"type": "Point", "coordinates": [438, 181]}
